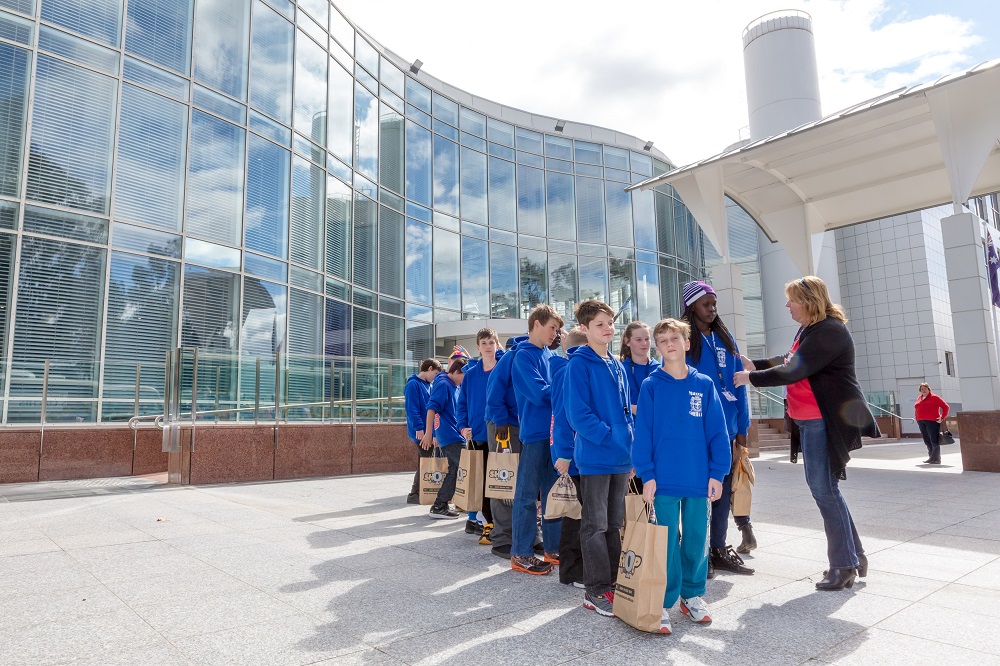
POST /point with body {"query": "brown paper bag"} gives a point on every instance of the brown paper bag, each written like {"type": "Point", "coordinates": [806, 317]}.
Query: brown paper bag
{"type": "Point", "coordinates": [469, 484]}
{"type": "Point", "coordinates": [642, 575]}
{"type": "Point", "coordinates": [432, 473]}
{"type": "Point", "coordinates": [743, 480]}
{"type": "Point", "coordinates": [501, 474]}
{"type": "Point", "coordinates": [563, 501]}
{"type": "Point", "coordinates": [635, 508]}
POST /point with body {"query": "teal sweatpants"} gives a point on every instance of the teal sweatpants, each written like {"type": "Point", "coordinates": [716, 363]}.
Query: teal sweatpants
{"type": "Point", "coordinates": [687, 547]}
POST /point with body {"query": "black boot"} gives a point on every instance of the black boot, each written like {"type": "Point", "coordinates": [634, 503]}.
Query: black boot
{"type": "Point", "coordinates": [749, 540]}
{"type": "Point", "coordinates": [726, 559]}
{"type": "Point", "coordinates": [838, 579]}
{"type": "Point", "coordinates": [863, 566]}
{"type": "Point", "coordinates": [711, 569]}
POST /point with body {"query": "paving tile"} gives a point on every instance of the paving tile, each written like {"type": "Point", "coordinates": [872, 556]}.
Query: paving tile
{"type": "Point", "coordinates": [925, 620]}
{"type": "Point", "coordinates": [980, 600]}
{"type": "Point", "coordinates": [158, 653]}
{"type": "Point", "coordinates": [925, 565]}
{"type": "Point", "coordinates": [57, 605]}
{"type": "Point", "coordinates": [877, 647]}
{"type": "Point", "coordinates": [210, 613]}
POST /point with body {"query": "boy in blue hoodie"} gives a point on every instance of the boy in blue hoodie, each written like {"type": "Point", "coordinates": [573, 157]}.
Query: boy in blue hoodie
{"type": "Point", "coordinates": [682, 453]}
{"type": "Point", "coordinates": [561, 448]}
{"type": "Point", "coordinates": [502, 423]}
{"type": "Point", "coordinates": [415, 396]}
{"type": "Point", "coordinates": [535, 475]}
{"type": "Point", "coordinates": [442, 411]}
{"type": "Point", "coordinates": [472, 415]}
{"type": "Point", "coordinates": [600, 412]}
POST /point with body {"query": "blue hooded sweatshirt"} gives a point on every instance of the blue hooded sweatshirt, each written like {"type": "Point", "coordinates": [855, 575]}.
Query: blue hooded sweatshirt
{"type": "Point", "coordinates": [415, 396]}
{"type": "Point", "coordinates": [444, 401]}
{"type": "Point", "coordinates": [472, 399]}
{"type": "Point", "coordinates": [680, 434]}
{"type": "Point", "coordinates": [712, 352]}
{"type": "Point", "coordinates": [561, 443]}
{"type": "Point", "coordinates": [501, 405]}
{"type": "Point", "coordinates": [636, 375]}
{"type": "Point", "coordinates": [597, 406]}
{"type": "Point", "coordinates": [533, 391]}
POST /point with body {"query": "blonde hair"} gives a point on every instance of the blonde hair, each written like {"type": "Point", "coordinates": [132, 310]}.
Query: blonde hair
{"type": "Point", "coordinates": [575, 338]}
{"type": "Point", "coordinates": [672, 325]}
{"type": "Point", "coordinates": [812, 294]}
{"type": "Point", "coordinates": [626, 351]}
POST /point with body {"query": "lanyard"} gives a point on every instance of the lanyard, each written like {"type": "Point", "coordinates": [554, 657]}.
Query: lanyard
{"type": "Point", "coordinates": [619, 380]}
{"type": "Point", "coordinates": [710, 341]}
{"type": "Point", "coordinates": [631, 367]}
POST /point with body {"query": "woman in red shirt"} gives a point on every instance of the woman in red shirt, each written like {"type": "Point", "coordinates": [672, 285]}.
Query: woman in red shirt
{"type": "Point", "coordinates": [930, 411]}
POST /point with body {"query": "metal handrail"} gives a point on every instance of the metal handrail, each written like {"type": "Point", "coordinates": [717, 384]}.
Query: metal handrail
{"type": "Point", "coordinates": [886, 411]}
{"type": "Point", "coordinates": [186, 417]}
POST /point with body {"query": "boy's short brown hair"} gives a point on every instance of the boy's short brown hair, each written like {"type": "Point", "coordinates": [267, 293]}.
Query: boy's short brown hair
{"type": "Point", "coordinates": [457, 364]}
{"type": "Point", "coordinates": [430, 364]}
{"type": "Point", "coordinates": [586, 311]}
{"type": "Point", "coordinates": [543, 314]}
{"type": "Point", "coordinates": [575, 338]}
{"type": "Point", "coordinates": [486, 334]}
{"type": "Point", "coordinates": [670, 325]}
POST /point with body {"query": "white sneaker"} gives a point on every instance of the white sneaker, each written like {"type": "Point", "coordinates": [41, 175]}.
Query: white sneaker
{"type": "Point", "coordinates": [665, 627]}
{"type": "Point", "coordinates": [696, 609]}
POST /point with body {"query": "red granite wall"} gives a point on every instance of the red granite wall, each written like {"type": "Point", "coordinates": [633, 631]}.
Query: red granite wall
{"type": "Point", "coordinates": [86, 453]}
{"type": "Point", "coordinates": [305, 450]}
{"type": "Point", "coordinates": [19, 455]}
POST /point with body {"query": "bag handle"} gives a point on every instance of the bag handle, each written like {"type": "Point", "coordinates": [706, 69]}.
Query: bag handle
{"type": "Point", "coordinates": [503, 443]}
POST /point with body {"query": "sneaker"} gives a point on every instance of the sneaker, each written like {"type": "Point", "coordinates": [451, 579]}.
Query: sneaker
{"type": "Point", "coordinates": [473, 527]}
{"type": "Point", "coordinates": [530, 565]}
{"type": "Point", "coordinates": [552, 558]}
{"type": "Point", "coordinates": [579, 584]}
{"type": "Point", "coordinates": [602, 603]}
{"type": "Point", "coordinates": [413, 499]}
{"type": "Point", "coordinates": [696, 609]}
{"type": "Point", "coordinates": [501, 551]}
{"type": "Point", "coordinates": [665, 627]}
{"type": "Point", "coordinates": [485, 539]}
{"type": "Point", "coordinates": [443, 511]}
{"type": "Point", "coordinates": [726, 559]}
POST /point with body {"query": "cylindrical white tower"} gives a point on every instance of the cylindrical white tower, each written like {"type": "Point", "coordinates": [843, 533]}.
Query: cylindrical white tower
{"type": "Point", "coordinates": [779, 61]}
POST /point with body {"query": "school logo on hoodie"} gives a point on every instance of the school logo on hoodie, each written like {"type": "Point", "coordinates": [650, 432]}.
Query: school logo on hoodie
{"type": "Point", "coordinates": [629, 563]}
{"type": "Point", "coordinates": [695, 409]}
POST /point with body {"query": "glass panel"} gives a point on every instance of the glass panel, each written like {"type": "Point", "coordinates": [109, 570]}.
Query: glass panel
{"type": "Point", "coordinates": [365, 251]}
{"type": "Point", "coordinates": [365, 299]}
{"type": "Point", "coordinates": [445, 175]}
{"type": "Point", "coordinates": [211, 254]}
{"type": "Point", "coordinates": [271, 65]}
{"type": "Point", "coordinates": [391, 306]}
{"type": "Point", "coordinates": [338, 328]}
{"type": "Point", "coordinates": [318, 9]}
{"type": "Point", "coordinates": [670, 291]}
{"type": "Point", "coordinates": [558, 147]}
{"type": "Point", "coordinates": [558, 165]}
{"type": "Point", "coordinates": [645, 219]}
{"type": "Point", "coordinates": [418, 261]}
{"type": "Point", "coordinates": [342, 30]}
{"type": "Point", "coordinates": [415, 114]}
{"type": "Point", "coordinates": [499, 132]}
{"type": "Point", "coordinates": [127, 237]}
{"type": "Point", "coordinates": [475, 277]}
{"type": "Point", "coordinates": [560, 205]}
{"type": "Point", "coordinates": [593, 278]}
{"type": "Point", "coordinates": [268, 198]}
{"type": "Point", "coordinates": [418, 95]}
{"type": "Point", "coordinates": [337, 289]}
{"type": "Point", "coordinates": [340, 137]}
{"type": "Point", "coordinates": [390, 252]}
{"type": "Point", "coordinates": [220, 105]}
{"type": "Point", "coordinates": [391, 200]}
{"type": "Point", "coordinates": [72, 135]}
{"type": "Point", "coordinates": [419, 212]}
{"type": "Point", "coordinates": [475, 230]}
{"type": "Point", "coordinates": [501, 151]}
{"type": "Point", "coordinates": [447, 270]}
{"type": "Point", "coordinates": [80, 50]}
{"type": "Point", "coordinates": [391, 99]}
{"type": "Point", "coordinates": [528, 140]}
{"type": "Point", "coordinates": [648, 292]}
{"type": "Point", "coordinates": [473, 185]}
{"type": "Point", "coordinates": [623, 287]}
{"type": "Point", "coordinates": [615, 174]}
{"type": "Point", "coordinates": [589, 170]}
{"type": "Point", "coordinates": [445, 129]}
{"type": "Point", "coordinates": [14, 65]}
{"type": "Point", "coordinates": [472, 122]}
{"type": "Point", "coordinates": [588, 152]}
{"type": "Point", "coordinates": [473, 142]}
{"type": "Point", "coordinates": [530, 159]}
{"type": "Point", "coordinates": [8, 243]}
{"type": "Point", "coordinates": [8, 214]}
{"type": "Point", "coordinates": [619, 213]}
{"type": "Point", "coordinates": [306, 229]}
{"type": "Point", "coordinates": [262, 331]}
{"type": "Point", "coordinates": [642, 164]}
{"type": "Point", "coordinates": [365, 78]}
{"type": "Point", "coordinates": [100, 19]}
{"type": "Point", "coordinates": [271, 269]}
{"type": "Point", "coordinates": [16, 29]}
{"type": "Point", "coordinates": [23, 6]}
{"type": "Point", "coordinates": [222, 47]}
{"type": "Point", "coordinates": [339, 169]}
{"type": "Point", "coordinates": [338, 228]}
{"type": "Point", "coordinates": [64, 283]}
{"type": "Point", "coordinates": [502, 197]}
{"type": "Point", "coordinates": [366, 132]}
{"type": "Point", "coordinates": [66, 225]}
{"type": "Point", "coordinates": [340, 54]}
{"type": "Point", "coordinates": [149, 182]}
{"type": "Point", "coordinates": [534, 288]}
{"type": "Point", "coordinates": [310, 90]}
{"type": "Point", "coordinates": [390, 341]}
{"type": "Point", "coordinates": [160, 31]}
{"type": "Point", "coordinates": [364, 331]}
{"type": "Point", "coordinates": [392, 77]}
{"type": "Point", "coordinates": [305, 344]}
{"type": "Point", "coordinates": [530, 201]}
{"type": "Point", "coordinates": [210, 312]}
{"type": "Point", "coordinates": [391, 150]}
{"type": "Point", "coordinates": [664, 207]}
{"type": "Point", "coordinates": [419, 341]}
{"type": "Point", "coordinates": [365, 54]}
{"type": "Point", "coordinates": [157, 79]}
{"type": "Point", "coordinates": [215, 180]}
{"type": "Point", "coordinates": [445, 109]}
{"type": "Point", "coordinates": [616, 158]}
{"type": "Point", "coordinates": [562, 284]}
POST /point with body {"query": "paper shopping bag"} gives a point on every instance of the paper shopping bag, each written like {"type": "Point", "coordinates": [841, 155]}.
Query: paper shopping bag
{"type": "Point", "coordinates": [469, 484]}
{"type": "Point", "coordinates": [642, 574]}
{"type": "Point", "coordinates": [501, 474]}
{"type": "Point", "coordinates": [563, 501]}
{"type": "Point", "coordinates": [743, 480]}
{"type": "Point", "coordinates": [634, 508]}
{"type": "Point", "coordinates": [432, 473]}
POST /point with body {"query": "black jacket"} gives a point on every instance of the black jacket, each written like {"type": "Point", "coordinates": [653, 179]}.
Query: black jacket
{"type": "Point", "coordinates": [825, 357]}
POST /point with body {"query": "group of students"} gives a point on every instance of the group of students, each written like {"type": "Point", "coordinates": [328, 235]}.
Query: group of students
{"type": "Point", "coordinates": [670, 429]}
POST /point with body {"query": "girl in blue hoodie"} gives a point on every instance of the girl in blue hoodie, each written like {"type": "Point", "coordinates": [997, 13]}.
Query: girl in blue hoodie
{"type": "Point", "coordinates": [682, 453]}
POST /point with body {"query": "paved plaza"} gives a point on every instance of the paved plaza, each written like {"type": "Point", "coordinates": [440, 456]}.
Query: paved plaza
{"type": "Point", "coordinates": [341, 571]}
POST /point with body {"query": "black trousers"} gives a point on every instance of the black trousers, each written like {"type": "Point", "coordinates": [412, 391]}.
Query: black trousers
{"type": "Point", "coordinates": [484, 446]}
{"type": "Point", "coordinates": [931, 432]}
{"type": "Point", "coordinates": [570, 552]}
{"type": "Point", "coordinates": [415, 488]}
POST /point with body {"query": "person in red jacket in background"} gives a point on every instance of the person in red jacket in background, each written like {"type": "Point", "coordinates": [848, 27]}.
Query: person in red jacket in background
{"type": "Point", "coordinates": [930, 411]}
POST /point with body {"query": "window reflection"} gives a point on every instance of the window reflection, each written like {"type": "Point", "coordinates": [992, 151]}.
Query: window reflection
{"type": "Point", "coordinates": [644, 218]}
{"type": "Point", "coordinates": [418, 261]}
{"type": "Point", "coordinates": [340, 133]}
{"type": "Point", "coordinates": [502, 197]}
{"type": "Point", "coordinates": [622, 273]}
{"type": "Point", "coordinates": [534, 286]}
{"type": "Point", "coordinates": [365, 220]}
{"type": "Point", "coordinates": [268, 198]}
{"type": "Point", "coordinates": [306, 228]}
{"type": "Point", "coordinates": [590, 210]}
{"type": "Point", "coordinates": [473, 186]}
{"type": "Point", "coordinates": [563, 294]}
{"type": "Point", "coordinates": [445, 175]}
{"type": "Point", "coordinates": [593, 278]}
{"type": "Point", "coordinates": [310, 89]}
{"type": "Point", "coordinates": [161, 32]}
{"type": "Point", "coordinates": [664, 209]}
{"type": "Point", "coordinates": [271, 66]}
{"type": "Point", "coordinates": [366, 132]}
{"type": "Point", "coordinates": [475, 277]}
{"type": "Point", "coordinates": [419, 175]}
{"type": "Point", "coordinates": [338, 228]}
{"type": "Point", "coordinates": [530, 201]}
{"type": "Point", "coordinates": [619, 208]}
{"type": "Point", "coordinates": [390, 252]}
{"type": "Point", "coordinates": [647, 292]}
{"type": "Point", "coordinates": [503, 281]}
{"type": "Point", "coordinates": [447, 270]}
{"type": "Point", "coordinates": [391, 130]}
{"type": "Point", "coordinates": [560, 205]}
{"type": "Point", "coordinates": [222, 47]}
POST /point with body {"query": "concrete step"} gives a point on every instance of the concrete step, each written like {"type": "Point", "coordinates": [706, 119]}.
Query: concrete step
{"type": "Point", "coordinates": [772, 436]}
{"type": "Point", "coordinates": [767, 431]}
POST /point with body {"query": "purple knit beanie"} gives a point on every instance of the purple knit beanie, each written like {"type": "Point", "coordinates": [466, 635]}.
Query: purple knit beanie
{"type": "Point", "coordinates": [692, 291]}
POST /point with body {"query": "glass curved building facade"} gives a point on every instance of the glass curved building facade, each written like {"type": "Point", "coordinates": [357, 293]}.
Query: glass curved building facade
{"type": "Point", "coordinates": [259, 179]}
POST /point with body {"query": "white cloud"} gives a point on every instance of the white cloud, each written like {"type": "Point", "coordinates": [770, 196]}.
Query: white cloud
{"type": "Point", "coordinates": [671, 72]}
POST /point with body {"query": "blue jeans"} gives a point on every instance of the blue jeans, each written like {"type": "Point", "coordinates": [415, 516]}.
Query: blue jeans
{"type": "Point", "coordinates": [687, 541]}
{"type": "Point", "coordinates": [535, 476]}
{"type": "Point", "coordinates": [842, 541]}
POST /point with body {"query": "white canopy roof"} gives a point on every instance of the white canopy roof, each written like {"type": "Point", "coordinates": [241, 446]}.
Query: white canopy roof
{"type": "Point", "coordinates": [909, 149]}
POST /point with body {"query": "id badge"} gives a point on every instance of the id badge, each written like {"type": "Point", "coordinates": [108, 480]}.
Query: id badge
{"type": "Point", "coordinates": [728, 396]}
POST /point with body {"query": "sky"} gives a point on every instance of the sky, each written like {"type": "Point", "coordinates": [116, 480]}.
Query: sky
{"type": "Point", "coordinates": [668, 71]}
